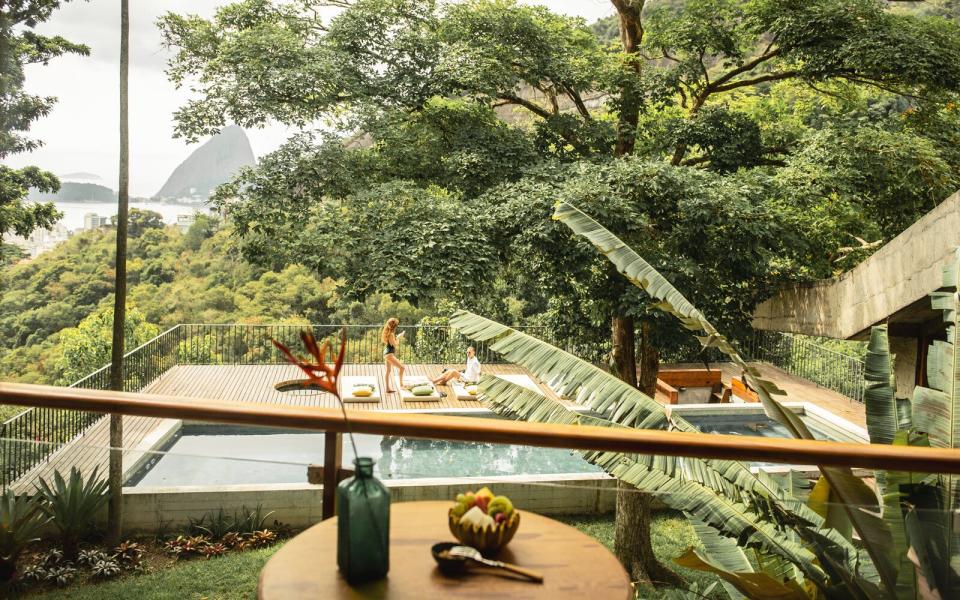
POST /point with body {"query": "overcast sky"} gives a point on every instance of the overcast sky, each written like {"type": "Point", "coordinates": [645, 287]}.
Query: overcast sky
{"type": "Point", "coordinates": [81, 132]}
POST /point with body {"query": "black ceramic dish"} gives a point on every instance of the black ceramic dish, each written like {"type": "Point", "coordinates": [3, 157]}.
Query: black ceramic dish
{"type": "Point", "coordinates": [448, 565]}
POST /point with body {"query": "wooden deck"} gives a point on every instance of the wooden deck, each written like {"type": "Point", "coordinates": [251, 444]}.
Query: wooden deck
{"type": "Point", "coordinates": [254, 384]}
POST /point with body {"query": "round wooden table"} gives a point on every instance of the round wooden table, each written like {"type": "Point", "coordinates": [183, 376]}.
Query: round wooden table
{"type": "Point", "coordinates": [574, 565]}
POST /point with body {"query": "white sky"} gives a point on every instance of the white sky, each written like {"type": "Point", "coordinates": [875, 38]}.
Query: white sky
{"type": "Point", "coordinates": [81, 132]}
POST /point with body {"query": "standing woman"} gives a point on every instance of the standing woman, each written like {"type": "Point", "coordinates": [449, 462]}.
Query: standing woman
{"type": "Point", "coordinates": [390, 341]}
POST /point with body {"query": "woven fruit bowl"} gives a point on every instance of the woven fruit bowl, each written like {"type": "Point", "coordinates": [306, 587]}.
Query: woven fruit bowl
{"type": "Point", "coordinates": [487, 539]}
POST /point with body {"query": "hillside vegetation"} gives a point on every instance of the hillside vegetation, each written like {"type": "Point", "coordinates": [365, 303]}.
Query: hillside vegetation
{"type": "Point", "coordinates": [55, 311]}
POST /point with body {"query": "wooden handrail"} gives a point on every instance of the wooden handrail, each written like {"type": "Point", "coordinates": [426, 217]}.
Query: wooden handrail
{"type": "Point", "coordinates": [776, 450]}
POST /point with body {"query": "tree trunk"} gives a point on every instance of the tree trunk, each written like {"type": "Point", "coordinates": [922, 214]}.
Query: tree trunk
{"type": "Point", "coordinates": [115, 509]}
{"type": "Point", "coordinates": [624, 351]}
{"type": "Point", "coordinates": [649, 362]}
{"type": "Point", "coordinates": [632, 529]}
{"type": "Point", "coordinates": [631, 36]}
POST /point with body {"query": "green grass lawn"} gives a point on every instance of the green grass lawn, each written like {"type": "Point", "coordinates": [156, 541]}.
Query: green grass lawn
{"type": "Point", "coordinates": [234, 576]}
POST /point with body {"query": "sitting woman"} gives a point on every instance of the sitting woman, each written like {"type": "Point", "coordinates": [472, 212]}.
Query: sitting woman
{"type": "Point", "coordinates": [470, 375]}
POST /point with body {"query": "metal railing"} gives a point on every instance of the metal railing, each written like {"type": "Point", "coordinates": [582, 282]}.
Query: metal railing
{"type": "Point", "coordinates": [833, 370]}
{"type": "Point", "coordinates": [248, 344]}
{"type": "Point", "coordinates": [243, 344]}
{"type": "Point", "coordinates": [213, 344]}
{"type": "Point", "coordinates": [50, 429]}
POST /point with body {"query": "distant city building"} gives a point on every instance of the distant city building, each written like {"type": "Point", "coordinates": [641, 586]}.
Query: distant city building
{"type": "Point", "coordinates": [41, 240]}
{"type": "Point", "coordinates": [185, 221]}
{"type": "Point", "coordinates": [92, 220]}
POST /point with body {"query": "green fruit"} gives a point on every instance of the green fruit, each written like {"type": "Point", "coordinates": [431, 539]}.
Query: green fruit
{"type": "Point", "coordinates": [462, 498]}
{"type": "Point", "coordinates": [500, 504]}
{"type": "Point", "coordinates": [459, 509]}
{"type": "Point", "coordinates": [469, 499]}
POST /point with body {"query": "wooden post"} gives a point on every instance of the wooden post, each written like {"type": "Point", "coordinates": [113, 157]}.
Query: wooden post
{"type": "Point", "coordinates": [332, 458]}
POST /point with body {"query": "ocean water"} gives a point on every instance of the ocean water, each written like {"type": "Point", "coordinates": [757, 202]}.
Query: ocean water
{"type": "Point", "coordinates": [73, 212]}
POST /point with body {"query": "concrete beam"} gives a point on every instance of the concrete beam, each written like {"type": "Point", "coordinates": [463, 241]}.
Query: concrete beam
{"type": "Point", "coordinates": [897, 276]}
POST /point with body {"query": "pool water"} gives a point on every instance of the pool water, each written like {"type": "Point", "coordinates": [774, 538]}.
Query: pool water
{"type": "Point", "coordinates": [227, 455]}
{"type": "Point", "coordinates": [753, 424]}
{"type": "Point", "coordinates": [206, 455]}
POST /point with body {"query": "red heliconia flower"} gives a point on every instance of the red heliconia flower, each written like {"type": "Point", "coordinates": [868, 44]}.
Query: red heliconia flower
{"type": "Point", "coordinates": [318, 373]}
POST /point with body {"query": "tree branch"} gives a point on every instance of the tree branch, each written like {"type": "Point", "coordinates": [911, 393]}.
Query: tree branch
{"type": "Point", "coordinates": [755, 81]}
{"type": "Point", "coordinates": [747, 66]}
{"type": "Point", "coordinates": [527, 104]}
{"type": "Point", "coordinates": [578, 102]}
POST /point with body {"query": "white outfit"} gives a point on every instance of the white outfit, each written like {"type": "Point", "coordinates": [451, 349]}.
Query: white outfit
{"type": "Point", "coordinates": [472, 372]}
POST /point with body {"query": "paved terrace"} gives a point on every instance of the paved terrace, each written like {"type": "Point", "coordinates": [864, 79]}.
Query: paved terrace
{"type": "Point", "coordinates": [254, 384]}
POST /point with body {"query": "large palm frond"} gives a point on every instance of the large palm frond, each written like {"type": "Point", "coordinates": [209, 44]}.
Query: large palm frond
{"type": "Point", "coordinates": [936, 411]}
{"type": "Point", "coordinates": [688, 486]}
{"type": "Point", "coordinates": [763, 521]}
{"type": "Point", "coordinates": [860, 502]}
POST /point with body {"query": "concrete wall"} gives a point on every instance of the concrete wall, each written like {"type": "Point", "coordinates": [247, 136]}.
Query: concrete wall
{"type": "Point", "coordinates": [300, 505]}
{"type": "Point", "coordinates": [902, 272]}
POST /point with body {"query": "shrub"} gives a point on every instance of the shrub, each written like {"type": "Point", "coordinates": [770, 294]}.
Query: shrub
{"type": "Point", "coordinates": [20, 523]}
{"type": "Point", "coordinates": [259, 539]}
{"type": "Point", "coordinates": [61, 575]}
{"type": "Point", "coordinates": [187, 547]}
{"type": "Point", "coordinates": [73, 504]}
{"type": "Point", "coordinates": [105, 569]}
{"type": "Point", "coordinates": [128, 554]}
{"type": "Point", "coordinates": [91, 557]}
{"type": "Point", "coordinates": [212, 550]}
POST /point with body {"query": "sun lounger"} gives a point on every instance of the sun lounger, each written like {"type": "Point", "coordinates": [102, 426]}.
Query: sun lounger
{"type": "Point", "coordinates": [461, 391]}
{"type": "Point", "coordinates": [348, 382]}
{"type": "Point", "coordinates": [410, 382]}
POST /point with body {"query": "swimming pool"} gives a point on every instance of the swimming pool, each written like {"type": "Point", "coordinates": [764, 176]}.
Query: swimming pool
{"type": "Point", "coordinates": [224, 455]}
{"type": "Point", "coordinates": [213, 455]}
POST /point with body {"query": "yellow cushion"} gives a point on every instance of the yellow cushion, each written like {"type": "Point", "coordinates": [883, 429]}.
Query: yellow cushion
{"type": "Point", "coordinates": [362, 392]}
{"type": "Point", "coordinates": [472, 390]}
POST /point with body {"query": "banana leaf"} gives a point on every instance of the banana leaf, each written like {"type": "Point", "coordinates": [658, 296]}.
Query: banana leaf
{"type": "Point", "coordinates": [880, 403]}
{"type": "Point", "coordinates": [932, 529]}
{"type": "Point", "coordinates": [688, 485]}
{"type": "Point", "coordinates": [860, 502]}
{"type": "Point", "coordinates": [757, 586]}
{"type": "Point", "coordinates": [561, 368]}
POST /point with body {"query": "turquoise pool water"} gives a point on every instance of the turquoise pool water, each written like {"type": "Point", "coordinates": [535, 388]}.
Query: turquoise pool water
{"type": "Point", "coordinates": [227, 455]}
{"type": "Point", "coordinates": [206, 455]}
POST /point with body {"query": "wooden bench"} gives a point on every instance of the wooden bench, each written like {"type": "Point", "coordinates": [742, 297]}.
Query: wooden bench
{"type": "Point", "coordinates": [670, 382]}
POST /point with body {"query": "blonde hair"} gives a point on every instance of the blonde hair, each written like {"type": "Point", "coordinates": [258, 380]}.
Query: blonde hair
{"type": "Point", "coordinates": [388, 329]}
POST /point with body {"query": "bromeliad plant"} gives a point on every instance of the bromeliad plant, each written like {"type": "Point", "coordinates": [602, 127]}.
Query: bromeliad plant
{"type": "Point", "coordinates": [72, 504]}
{"type": "Point", "coordinates": [760, 537]}
{"type": "Point", "coordinates": [20, 523]}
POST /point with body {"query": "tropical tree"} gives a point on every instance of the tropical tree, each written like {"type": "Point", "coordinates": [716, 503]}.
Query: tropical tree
{"type": "Point", "coordinates": [20, 45]}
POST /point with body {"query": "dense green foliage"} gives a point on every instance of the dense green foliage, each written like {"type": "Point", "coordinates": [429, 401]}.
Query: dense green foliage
{"type": "Point", "coordinates": [777, 129]}
{"type": "Point", "coordinates": [56, 310]}
{"type": "Point", "coordinates": [20, 45]}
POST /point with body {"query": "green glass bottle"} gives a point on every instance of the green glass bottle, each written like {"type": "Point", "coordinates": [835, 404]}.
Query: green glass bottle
{"type": "Point", "coordinates": [363, 525]}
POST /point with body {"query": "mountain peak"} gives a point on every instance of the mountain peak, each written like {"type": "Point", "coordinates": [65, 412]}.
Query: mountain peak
{"type": "Point", "coordinates": [213, 163]}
